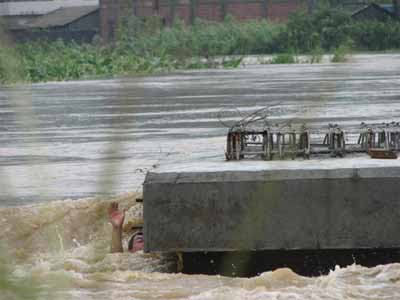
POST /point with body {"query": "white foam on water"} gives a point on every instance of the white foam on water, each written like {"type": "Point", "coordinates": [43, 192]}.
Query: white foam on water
{"type": "Point", "coordinates": [83, 268]}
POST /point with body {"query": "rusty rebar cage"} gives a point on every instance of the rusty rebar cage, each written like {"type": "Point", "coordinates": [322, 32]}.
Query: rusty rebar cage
{"type": "Point", "coordinates": [283, 142]}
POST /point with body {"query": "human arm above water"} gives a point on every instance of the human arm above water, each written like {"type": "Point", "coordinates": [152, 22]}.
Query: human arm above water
{"type": "Point", "coordinates": [116, 218]}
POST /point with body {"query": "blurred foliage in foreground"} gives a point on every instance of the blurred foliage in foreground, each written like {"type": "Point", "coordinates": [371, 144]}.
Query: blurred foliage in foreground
{"type": "Point", "coordinates": [147, 47]}
{"type": "Point", "coordinates": [15, 289]}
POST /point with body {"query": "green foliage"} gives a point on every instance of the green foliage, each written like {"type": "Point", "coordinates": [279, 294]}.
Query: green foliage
{"type": "Point", "coordinates": [146, 46]}
{"type": "Point", "coordinates": [374, 35]}
{"type": "Point", "coordinates": [341, 54]}
{"type": "Point", "coordinates": [327, 28]}
{"type": "Point", "coordinates": [330, 29]}
{"type": "Point", "coordinates": [316, 55]}
{"type": "Point", "coordinates": [207, 39]}
{"type": "Point", "coordinates": [283, 58]}
{"type": "Point", "coordinates": [12, 288]}
{"type": "Point", "coordinates": [232, 62]}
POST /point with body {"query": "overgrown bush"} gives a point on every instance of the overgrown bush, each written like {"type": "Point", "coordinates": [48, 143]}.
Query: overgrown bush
{"type": "Point", "coordinates": [148, 46]}
{"type": "Point", "coordinates": [283, 58]}
{"type": "Point", "coordinates": [374, 35]}
{"type": "Point", "coordinates": [205, 38]}
{"type": "Point", "coordinates": [343, 52]}
{"type": "Point", "coordinates": [316, 55]}
{"type": "Point", "coordinates": [327, 28]}
{"type": "Point", "coordinates": [340, 54]}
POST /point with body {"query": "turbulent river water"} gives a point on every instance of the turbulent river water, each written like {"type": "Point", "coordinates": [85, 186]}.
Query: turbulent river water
{"type": "Point", "coordinates": [61, 143]}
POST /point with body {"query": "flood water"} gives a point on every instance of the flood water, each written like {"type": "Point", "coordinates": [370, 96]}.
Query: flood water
{"type": "Point", "coordinates": [75, 140]}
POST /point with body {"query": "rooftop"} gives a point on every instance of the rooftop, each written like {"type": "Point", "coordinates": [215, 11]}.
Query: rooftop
{"type": "Point", "coordinates": [21, 8]}
{"type": "Point", "coordinates": [388, 9]}
{"type": "Point", "coordinates": [63, 16]}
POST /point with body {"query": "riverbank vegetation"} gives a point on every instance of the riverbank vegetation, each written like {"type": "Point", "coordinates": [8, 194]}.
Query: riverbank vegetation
{"type": "Point", "coordinates": [148, 47]}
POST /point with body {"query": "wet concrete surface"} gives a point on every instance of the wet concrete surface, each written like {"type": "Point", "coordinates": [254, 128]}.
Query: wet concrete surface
{"type": "Point", "coordinates": [87, 138]}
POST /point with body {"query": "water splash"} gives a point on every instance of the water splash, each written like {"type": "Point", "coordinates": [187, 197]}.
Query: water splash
{"type": "Point", "coordinates": [34, 236]}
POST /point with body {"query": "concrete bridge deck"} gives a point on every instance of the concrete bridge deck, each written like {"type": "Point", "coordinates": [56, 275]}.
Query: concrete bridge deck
{"type": "Point", "coordinates": [341, 203]}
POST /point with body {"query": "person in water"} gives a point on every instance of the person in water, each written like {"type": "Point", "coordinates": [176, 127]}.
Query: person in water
{"type": "Point", "coordinates": [117, 218]}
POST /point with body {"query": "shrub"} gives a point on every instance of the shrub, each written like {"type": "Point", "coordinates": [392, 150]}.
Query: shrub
{"type": "Point", "coordinates": [316, 55]}
{"type": "Point", "coordinates": [233, 62]}
{"type": "Point", "coordinates": [327, 28]}
{"type": "Point", "coordinates": [341, 53]}
{"type": "Point", "coordinates": [284, 58]}
{"type": "Point", "coordinates": [374, 35]}
{"type": "Point", "coordinates": [147, 46]}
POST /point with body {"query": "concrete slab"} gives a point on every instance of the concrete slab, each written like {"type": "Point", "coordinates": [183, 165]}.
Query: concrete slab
{"type": "Point", "coordinates": [253, 205]}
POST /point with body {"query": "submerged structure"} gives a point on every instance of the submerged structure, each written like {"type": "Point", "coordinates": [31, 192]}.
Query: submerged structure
{"type": "Point", "coordinates": [250, 139]}
{"type": "Point", "coordinates": [319, 203]}
{"type": "Point", "coordinates": [271, 143]}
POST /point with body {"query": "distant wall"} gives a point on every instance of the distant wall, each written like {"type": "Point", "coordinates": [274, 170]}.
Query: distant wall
{"type": "Point", "coordinates": [216, 10]}
{"type": "Point", "coordinates": [110, 12]}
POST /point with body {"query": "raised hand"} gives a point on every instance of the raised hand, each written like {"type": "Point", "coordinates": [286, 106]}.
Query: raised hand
{"type": "Point", "coordinates": [115, 215]}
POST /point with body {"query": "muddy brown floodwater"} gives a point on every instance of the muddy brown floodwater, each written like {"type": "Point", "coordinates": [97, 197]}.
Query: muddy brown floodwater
{"type": "Point", "coordinates": [74, 140]}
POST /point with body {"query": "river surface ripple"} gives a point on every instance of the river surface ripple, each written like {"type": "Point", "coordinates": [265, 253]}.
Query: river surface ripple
{"type": "Point", "coordinates": [79, 139]}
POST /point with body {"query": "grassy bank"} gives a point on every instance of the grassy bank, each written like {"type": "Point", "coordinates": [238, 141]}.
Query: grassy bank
{"type": "Point", "coordinates": [142, 48]}
{"type": "Point", "coordinates": [147, 47]}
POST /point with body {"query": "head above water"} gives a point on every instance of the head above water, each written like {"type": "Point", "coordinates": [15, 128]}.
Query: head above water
{"type": "Point", "coordinates": [136, 243]}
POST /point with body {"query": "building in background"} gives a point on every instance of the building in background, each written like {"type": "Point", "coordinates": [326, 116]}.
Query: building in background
{"type": "Point", "coordinates": [66, 19]}
{"type": "Point", "coordinates": [376, 12]}
{"type": "Point", "coordinates": [83, 19]}
{"type": "Point", "coordinates": [78, 23]}
{"type": "Point", "coordinates": [187, 10]}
